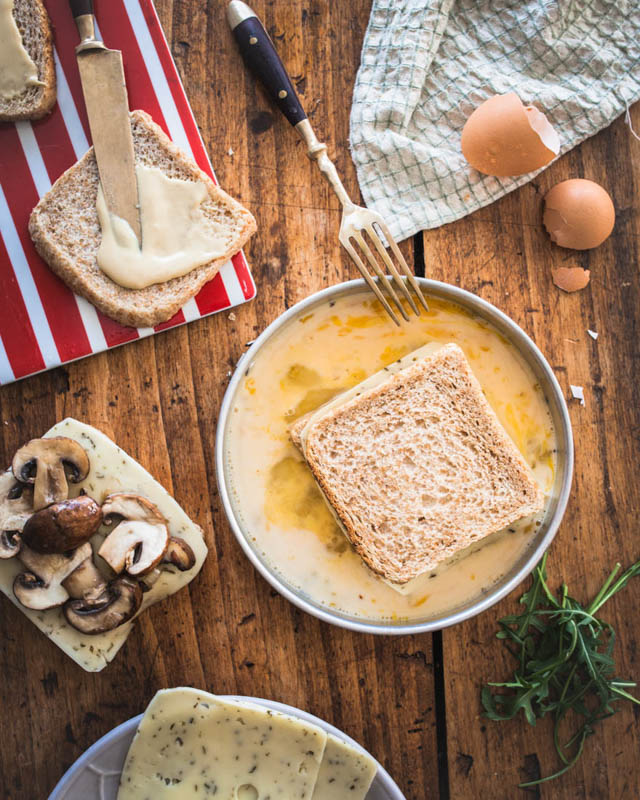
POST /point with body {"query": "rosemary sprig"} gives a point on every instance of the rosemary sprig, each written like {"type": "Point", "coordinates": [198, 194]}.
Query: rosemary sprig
{"type": "Point", "coordinates": [565, 666]}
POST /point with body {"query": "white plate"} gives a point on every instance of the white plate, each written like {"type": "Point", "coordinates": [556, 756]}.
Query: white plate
{"type": "Point", "coordinates": [96, 773]}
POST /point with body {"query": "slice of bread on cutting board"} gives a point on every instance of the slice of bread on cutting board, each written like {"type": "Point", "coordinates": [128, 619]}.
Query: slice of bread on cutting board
{"type": "Point", "coordinates": [66, 231]}
{"type": "Point", "coordinates": [35, 28]}
{"type": "Point", "coordinates": [416, 465]}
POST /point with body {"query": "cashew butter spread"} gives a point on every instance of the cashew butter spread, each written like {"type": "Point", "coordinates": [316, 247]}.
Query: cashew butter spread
{"type": "Point", "coordinates": [17, 70]}
{"type": "Point", "coordinates": [177, 236]}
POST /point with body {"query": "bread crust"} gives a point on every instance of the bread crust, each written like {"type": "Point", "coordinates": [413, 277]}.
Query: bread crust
{"type": "Point", "coordinates": [66, 232]}
{"type": "Point", "coordinates": [36, 101]}
{"type": "Point", "coordinates": [396, 555]}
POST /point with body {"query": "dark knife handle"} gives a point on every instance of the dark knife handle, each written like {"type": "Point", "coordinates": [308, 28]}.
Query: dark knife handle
{"type": "Point", "coordinates": [81, 7]}
{"type": "Point", "coordinates": [261, 57]}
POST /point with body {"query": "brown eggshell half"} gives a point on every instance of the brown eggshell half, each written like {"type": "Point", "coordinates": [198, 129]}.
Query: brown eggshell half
{"type": "Point", "coordinates": [570, 279]}
{"type": "Point", "coordinates": [578, 214]}
{"type": "Point", "coordinates": [504, 138]}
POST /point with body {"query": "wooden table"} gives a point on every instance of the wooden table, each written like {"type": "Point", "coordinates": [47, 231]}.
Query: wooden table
{"type": "Point", "coordinates": [412, 701]}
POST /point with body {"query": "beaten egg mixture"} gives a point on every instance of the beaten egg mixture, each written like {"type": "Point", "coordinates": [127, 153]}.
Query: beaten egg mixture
{"type": "Point", "coordinates": [281, 509]}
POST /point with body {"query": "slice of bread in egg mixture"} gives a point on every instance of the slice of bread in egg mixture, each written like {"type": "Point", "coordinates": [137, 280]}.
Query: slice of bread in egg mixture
{"type": "Point", "coordinates": [416, 465]}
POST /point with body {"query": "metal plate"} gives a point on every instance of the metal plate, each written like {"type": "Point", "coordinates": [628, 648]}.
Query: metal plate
{"type": "Point", "coordinates": [557, 502]}
{"type": "Point", "coordinates": [97, 772]}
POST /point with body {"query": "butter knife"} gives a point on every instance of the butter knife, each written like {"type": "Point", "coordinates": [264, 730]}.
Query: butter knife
{"type": "Point", "coordinates": [105, 96]}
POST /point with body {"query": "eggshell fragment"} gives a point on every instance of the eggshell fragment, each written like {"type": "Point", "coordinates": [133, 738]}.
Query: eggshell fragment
{"type": "Point", "coordinates": [570, 279]}
{"type": "Point", "coordinates": [577, 392]}
{"type": "Point", "coordinates": [503, 137]}
{"type": "Point", "coordinates": [578, 214]}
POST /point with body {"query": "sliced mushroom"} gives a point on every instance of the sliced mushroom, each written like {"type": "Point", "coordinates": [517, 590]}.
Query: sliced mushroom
{"type": "Point", "coordinates": [118, 603]}
{"type": "Point", "coordinates": [180, 554]}
{"type": "Point", "coordinates": [47, 463]}
{"type": "Point", "coordinates": [41, 587]}
{"type": "Point", "coordinates": [10, 544]}
{"type": "Point", "coordinates": [138, 543]}
{"type": "Point", "coordinates": [63, 526]}
{"type": "Point", "coordinates": [148, 581]}
{"type": "Point", "coordinates": [131, 506]}
{"type": "Point", "coordinates": [136, 546]}
{"type": "Point", "coordinates": [86, 582]}
{"type": "Point", "coordinates": [16, 506]}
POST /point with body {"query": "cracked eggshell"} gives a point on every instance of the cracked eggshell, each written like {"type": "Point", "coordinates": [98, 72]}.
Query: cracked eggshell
{"type": "Point", "coordinates": [505, 138]}
{"type": "Point", "coordinates": [571, 279]}
{"type": "Point", "coordinates": [578, 214]}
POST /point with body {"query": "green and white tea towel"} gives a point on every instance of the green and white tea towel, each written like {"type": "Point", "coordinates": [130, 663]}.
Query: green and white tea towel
{"type": "Point", "coordinates": [427, 64]}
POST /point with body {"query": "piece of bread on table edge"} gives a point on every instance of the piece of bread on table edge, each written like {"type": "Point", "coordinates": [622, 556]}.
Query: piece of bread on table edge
{"type": "Point", "coordinates": [34, 26]}
{"type": "Point", "coordinates": [66, 231]}
{"type": "Point", "coordinates": [417, 467]}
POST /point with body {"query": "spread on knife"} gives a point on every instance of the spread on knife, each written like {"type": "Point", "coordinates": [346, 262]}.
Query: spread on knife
{"type": "Point", "coordinates": [17, 69]}
{"type": "Point", "coordinates": [176, 235]}
{"type": "Point", "coordinates": [88, 539]}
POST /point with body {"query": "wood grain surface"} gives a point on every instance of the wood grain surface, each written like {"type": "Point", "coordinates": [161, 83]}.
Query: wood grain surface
{"type": "Point", "coordinates": [412, 701]}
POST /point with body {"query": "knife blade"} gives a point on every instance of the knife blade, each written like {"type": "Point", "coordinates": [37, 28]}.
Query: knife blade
{"type": "Point", "coordinates": [105, 96]}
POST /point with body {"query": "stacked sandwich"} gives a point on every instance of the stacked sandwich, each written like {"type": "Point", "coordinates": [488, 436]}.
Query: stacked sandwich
{"type": "Point", "coordinates": [415, 464]}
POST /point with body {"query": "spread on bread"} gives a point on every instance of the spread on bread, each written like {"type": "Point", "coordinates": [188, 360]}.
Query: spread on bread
{"type": "Point", "coordinates": [191, 743]}
{"type": "Point", "coordinates": [88, 539]}
{"type": "Point", "coordinates": [432, 565]}
{"type": "Point", "coordinates": [17, 69]}
{"type": "Point", "coordinates": [176, 234]}
{"type": "Point", "coordinates": [65, 230]}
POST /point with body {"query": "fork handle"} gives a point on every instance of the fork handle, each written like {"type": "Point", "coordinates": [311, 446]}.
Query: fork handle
{"type": "Point", "coordinates": [262, 59]}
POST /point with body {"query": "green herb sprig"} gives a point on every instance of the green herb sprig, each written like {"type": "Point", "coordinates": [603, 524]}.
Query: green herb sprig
{"type": "Point", "coordinates": [564, 655]}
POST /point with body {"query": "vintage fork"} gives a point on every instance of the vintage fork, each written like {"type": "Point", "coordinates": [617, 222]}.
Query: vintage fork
{"type": "Point", "coordinates": [360, 228]}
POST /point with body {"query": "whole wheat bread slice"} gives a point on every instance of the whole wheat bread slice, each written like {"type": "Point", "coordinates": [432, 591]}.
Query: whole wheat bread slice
{"type": "Point", "coordinates": [35, 28]}
{"type": "Point", "coordinates": [418, 467]}
{"type": "Point", "coordinates": [65, 229]}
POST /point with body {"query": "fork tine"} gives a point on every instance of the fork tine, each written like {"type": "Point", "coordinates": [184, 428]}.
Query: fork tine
{"type": "Point", "coordinates": [391, 267]}
{"type": "Point", "coordinates": [359, 238]}
{"type": "Point", "coordinates": [396, 251]}
{"type": "Point", "coordinates": [372, 284]}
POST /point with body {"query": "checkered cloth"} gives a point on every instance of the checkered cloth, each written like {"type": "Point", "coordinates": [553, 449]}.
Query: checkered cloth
{"type": "Point", "coordinates": [426, 64]}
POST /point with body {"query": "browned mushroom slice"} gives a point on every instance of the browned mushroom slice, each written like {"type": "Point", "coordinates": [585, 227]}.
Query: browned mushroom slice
{"type": "Point", "coordinates": [117, 604]}
{"type": "Point", "coordinates": [46, 463]}
{"type": "Point", "coordinates": [180, 554]}
{"type": "Point", "coordinates": [41, 587]}
{"type": "Point", "coordinates": [131, 506]}
{"type": "Point", "coordinates": [16, 506]}
{"type": "Point", "coordinates": [136, 546]}
{"type": "Point", "coordinates": [63, 526]}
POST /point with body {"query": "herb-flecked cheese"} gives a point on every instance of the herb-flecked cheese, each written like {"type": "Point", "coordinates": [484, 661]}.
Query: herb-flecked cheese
{"type": "Point", "coordinates": [191, 744]}
{"type": "Point", "coordinates": [345, 773]}
{"type": "Point", "coordinates": [111, 470]}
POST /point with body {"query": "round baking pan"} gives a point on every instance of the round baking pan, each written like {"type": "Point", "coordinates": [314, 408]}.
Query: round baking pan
{"type": "Point", "coordinates": [557, 501]}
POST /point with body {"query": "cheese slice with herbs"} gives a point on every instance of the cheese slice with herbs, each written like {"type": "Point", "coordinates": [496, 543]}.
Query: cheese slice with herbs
{"type": "Point", "coordinates": [345, 772]}
{"type": "Point", "coordinates": [192, 744]}
{"type": "Point", "coordinates": [111, 470]}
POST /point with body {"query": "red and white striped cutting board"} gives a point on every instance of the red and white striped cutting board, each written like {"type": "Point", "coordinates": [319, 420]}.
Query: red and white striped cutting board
{"type": "Point", "coordinates": [42, 323]}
